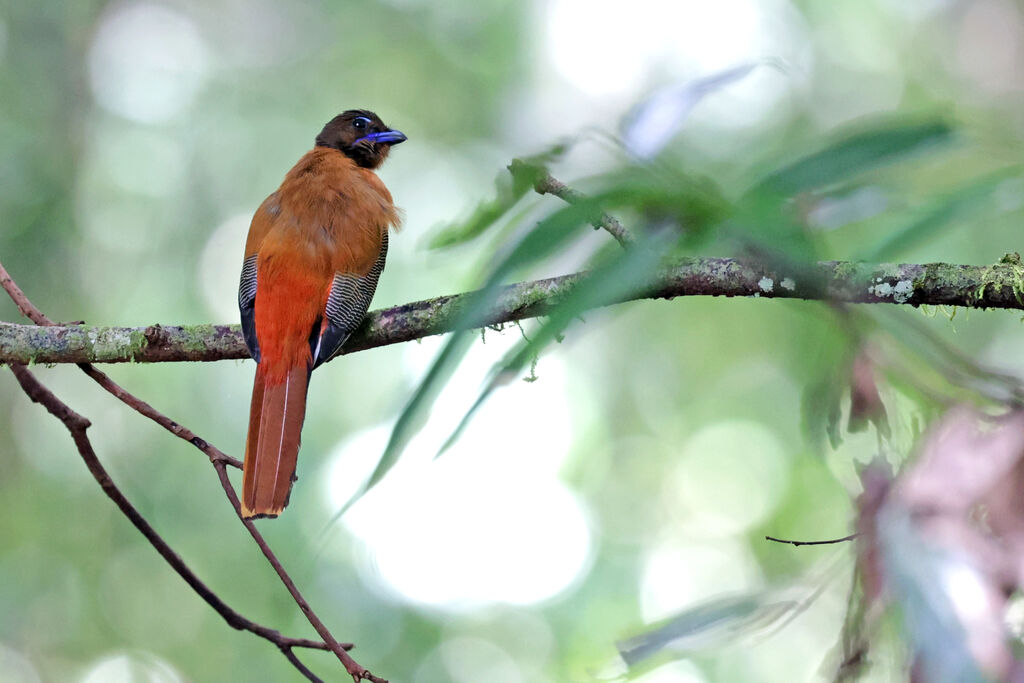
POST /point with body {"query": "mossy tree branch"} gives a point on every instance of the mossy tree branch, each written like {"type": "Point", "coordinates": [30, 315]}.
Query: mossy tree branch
{"type": "Point", "coordinates": [994, 286]}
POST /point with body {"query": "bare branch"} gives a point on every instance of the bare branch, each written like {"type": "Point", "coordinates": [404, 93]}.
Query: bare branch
{"type": "Point", "coordinates": [77, 425]}
{"type": "Point", "coordinates": [354, 669]}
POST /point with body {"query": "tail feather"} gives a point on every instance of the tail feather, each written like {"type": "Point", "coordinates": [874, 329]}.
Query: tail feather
{"type": "Point", "coordinates": [272, 447]}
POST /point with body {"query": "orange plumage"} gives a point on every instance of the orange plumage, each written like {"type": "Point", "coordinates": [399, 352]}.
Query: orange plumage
{"type": "Point", "coordinates": [315, 249]}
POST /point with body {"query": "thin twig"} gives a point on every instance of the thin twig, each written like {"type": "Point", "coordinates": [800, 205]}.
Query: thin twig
{"type": "Point", "coordinates": [355, 670]}
{"type": "Point", "coordinates": [844, 539]}
{"type": "Point", "coordinates": [77, 425]}
{"type": "Point", "coordinates": [29, 309]}
{"type": "Point", "coordinates": [297, 663]}
{"type": "Point", "coordinates": [551, 185]}
{"type": "Point", "coordinates": [212, 452]}
{"type": "Point", "coordinates": [20, 300]}
{"type": "Point", "coordinates": [945, 284]}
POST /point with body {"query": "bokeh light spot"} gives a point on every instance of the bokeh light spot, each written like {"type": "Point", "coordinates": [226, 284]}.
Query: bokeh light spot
{"type": "Point", "coordinates": [673, 672]}
{"type": "Point", "coordinates": [469, 660]}
{"type": "Point", "coordinates": [131, 667]}
{"type": "Point", "coordinates": [604, 50]}
{"type": "Point", "coordinates": [676, 575]}
{"type": "Point", "coordinates": [147, 62]}
{"type": "Point", "coordinates": [731, 476]}
{"type": "Point", "coordinates": [17, 668]}
{"type": "Point", "coordinates": [489, 521]}
{"type": "Point", "coordinates": [220, 266]}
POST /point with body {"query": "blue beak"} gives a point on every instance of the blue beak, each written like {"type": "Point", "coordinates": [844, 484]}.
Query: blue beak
{"type": "Point", "coordinates": [388, 137]}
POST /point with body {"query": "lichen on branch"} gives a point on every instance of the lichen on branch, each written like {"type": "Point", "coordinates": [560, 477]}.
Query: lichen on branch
{"type": "Point", "coordinates": [992, 286]}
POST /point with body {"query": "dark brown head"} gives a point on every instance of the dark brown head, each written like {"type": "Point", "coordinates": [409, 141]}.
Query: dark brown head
{"type": "Point", "coordinates": [361, 136]}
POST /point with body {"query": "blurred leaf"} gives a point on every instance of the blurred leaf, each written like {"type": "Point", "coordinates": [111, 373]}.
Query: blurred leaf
{"type": "Point", "coordinates": [876, 480]}
{"type": "Point", "coordinates": [768, 230]}
{"type": "Point", "coordinates": [716, 623]}
{"type": "Point", "coordinates": [766, 215]}
{"type": "Point", "coordinates": [821, 412]}
{"type": "Point", "coordinates": [917, 572]}
{"type": "Point", "coordinates": [694, 203]}
{"type": "Point", "coordinates": [947, 569]}
{"type": "Point", "coordinates": [510, 187]}
{"type": "Point", "coordinates": [852, 203]}
{"type": "Point", "coordinates": [931, 360]}
{"type": "Point", "coordinates": [650, 125]}
{"type": "Point", "coordinates": [627, 273]}
{"type": "Point", "coordinates": [938, 215]}
{"type": "Point", "coordinates": [884, 143]}
{"type": "Point", "coordinates": [865, 402]}
{"type": "Point", "coordinates": [713, 623]}
{"type": "Point", "coordinates": [662, 198]}
{"type": "Point", "coordinates": [828, 363]}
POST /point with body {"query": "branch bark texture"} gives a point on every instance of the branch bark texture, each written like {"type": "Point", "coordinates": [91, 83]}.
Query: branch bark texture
{"type": "Point", "coordinates": [941, 284]}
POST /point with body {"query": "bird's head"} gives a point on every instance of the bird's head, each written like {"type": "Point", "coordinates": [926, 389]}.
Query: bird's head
{"type": "Point", "coordinates": [361, 136]}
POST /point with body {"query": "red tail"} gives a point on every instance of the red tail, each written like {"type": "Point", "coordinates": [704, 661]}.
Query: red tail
{"type": "Point", "coordinates": [275, 425]}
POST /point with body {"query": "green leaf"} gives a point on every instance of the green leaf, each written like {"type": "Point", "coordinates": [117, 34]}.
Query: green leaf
{"type": "Point", "coordinates": [883, 143]}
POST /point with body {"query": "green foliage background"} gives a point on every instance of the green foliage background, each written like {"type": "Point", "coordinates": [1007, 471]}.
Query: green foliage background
{"type": "Point", "coordinates": [109, 219]}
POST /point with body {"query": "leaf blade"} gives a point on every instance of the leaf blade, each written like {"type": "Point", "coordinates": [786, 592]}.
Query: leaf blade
{"type": "Point", "coordinates": [855, 153]}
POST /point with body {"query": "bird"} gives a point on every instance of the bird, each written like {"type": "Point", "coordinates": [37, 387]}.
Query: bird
{"type": "Point", "coordinates": [315, 250]}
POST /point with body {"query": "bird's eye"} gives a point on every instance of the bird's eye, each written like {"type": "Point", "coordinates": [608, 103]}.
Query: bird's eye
{"type": "Point", "coordinates": [360, 122]}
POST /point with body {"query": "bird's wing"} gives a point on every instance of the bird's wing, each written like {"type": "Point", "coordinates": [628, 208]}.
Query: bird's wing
{"type": "Point", "coordinates": [261, 224]}
{"type": "Point", "coordinates": [347, 303]}
{"type": "Point", "coordinates": [247, 305]}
